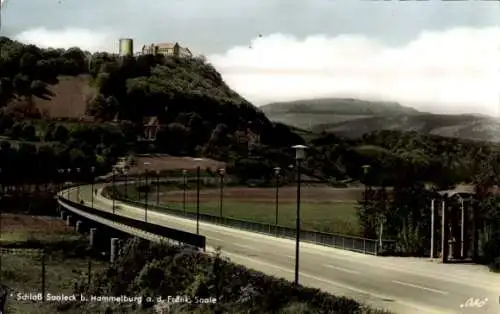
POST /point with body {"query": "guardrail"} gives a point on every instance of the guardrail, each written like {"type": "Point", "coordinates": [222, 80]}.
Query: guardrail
{"type": "Point", "coordinates": [188, 238]}
{"type": "Point", "coordinates": [350, 243]}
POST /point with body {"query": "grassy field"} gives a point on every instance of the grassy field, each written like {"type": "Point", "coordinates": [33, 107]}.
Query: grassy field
{"type": "Point", "coordinates": [322, 208]}
{"type": "Point", "coordinates": [21, 271]}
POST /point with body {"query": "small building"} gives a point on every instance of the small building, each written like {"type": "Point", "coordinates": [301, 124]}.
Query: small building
{"type": "Point", "coordinates": [151, 125]}
{"type": "Point", "coordinates": [167, 49]}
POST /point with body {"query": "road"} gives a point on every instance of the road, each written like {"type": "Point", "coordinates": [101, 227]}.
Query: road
{"type": "Point", "coordinates": [398, 284]}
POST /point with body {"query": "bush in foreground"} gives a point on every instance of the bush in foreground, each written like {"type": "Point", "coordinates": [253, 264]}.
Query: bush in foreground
{"type": "Point", "coordinates": [152, 270]}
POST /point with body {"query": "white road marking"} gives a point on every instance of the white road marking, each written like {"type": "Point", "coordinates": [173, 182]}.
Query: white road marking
{"type": "Point", "coordinates": [342, 269]}
{"type": "Point", "coordinates": [248, 247]}
{"type": "Point", "coordinates": [420, 287]}
{"type": "Point", "coordinates": [216, 239]}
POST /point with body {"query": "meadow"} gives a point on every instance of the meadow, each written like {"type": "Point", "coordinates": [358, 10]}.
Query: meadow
{"type": "Point", "coordinates": [323, 208]}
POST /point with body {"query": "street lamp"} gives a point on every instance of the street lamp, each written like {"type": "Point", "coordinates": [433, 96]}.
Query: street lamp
{"type": "Point", "coordinates": [299, 157]}
{"type": "Point", "coordinates": [0, 236]}
{"type": "Point", "coordinates": [277, 175]}
{"type": "Point", "coordinates": [61, 180]}
{"type": "Point", "coordinates": [146, 190]}
{"type": "Point", "coordinates": [78, 186]}
{"type": "Point", "coordinates": [221, 184]}
{"type": "Point", "coordinates": [198, 195]}
{"type": "Point", "coordinates": [157, 188]}
{"type": "Point", "coordinates": [125, 172]}
{"type": "Point", "coordinates": [184, 175]}
{"type": "Point", "coordinates": [69, 171]}
{"type": "Point", "coordinates": [92, 169]}
{"type": "Point", "coordinates": [113, 190]}
{"type": "Point", "coordinates": [366, 170]}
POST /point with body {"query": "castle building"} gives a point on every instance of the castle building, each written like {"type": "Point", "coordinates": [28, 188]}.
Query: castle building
{"type": "Point", "coordinates": [167, 49]}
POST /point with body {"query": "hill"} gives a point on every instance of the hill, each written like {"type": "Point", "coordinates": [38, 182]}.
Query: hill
{"type": "Point", "coordinates": [310, 112]}
{"type": "Point", "coordinates": [352, 118]}
{"type": "Point", "coordinates": [194, 112]}
{"type": "Point", "coordinates": [465, 126]}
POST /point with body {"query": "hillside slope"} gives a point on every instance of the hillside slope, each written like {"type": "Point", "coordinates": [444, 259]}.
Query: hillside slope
{"type": "Point", "coordinates": [70, 97]}
{"type": "Point", "coordinates": [195, 111]}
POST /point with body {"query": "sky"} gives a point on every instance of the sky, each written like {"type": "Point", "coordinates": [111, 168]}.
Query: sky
{"type": "Point", "coordinates": [438, 56]}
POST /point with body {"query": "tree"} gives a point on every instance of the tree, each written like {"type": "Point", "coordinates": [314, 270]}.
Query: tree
{"type": "Point", "coordinates": [29, 132]}
{"type": "Point", "coordinates": [61, 134]}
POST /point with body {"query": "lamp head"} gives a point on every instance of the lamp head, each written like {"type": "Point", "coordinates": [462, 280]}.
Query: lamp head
{"type": "Point", "coordinates": [277, 170]}
{"type": "Point", "coordinates": [300, 153]}
{"type": "Point", "coordinates": [366, 168]}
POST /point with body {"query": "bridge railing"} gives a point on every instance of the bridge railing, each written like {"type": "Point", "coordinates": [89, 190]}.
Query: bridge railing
{"type": "Point", "coordinates": [188, 238]}
{"type": "Point", "coordinates": [345, 242]}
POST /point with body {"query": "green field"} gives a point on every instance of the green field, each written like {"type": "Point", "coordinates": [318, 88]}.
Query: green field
{"type": "Point", "coordinates": [333, 217]}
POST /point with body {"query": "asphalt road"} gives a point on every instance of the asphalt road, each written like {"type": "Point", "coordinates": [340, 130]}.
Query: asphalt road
{"type": "Point", "coordinates": [398, 284]}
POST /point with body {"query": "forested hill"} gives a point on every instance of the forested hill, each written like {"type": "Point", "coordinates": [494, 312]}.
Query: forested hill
{"type": "Point", "coordinates": [189, 97]}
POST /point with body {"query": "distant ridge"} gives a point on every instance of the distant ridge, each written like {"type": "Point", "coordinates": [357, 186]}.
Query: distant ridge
{"type": "Point", "coordinates": [354, 117]}
{"type": "Point", "coordinates": [337, 106]}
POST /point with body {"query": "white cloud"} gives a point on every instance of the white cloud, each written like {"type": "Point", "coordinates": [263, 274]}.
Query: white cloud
{"type": "Point", "coordinates": [451, 71]}
{"type": "Point", "coordinates": [70, 37]}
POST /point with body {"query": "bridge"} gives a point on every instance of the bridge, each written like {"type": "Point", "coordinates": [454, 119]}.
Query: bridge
{"type": "Point", "coordinates": [403, 285]}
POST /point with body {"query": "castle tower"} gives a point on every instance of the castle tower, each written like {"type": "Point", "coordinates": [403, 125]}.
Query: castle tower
{"type": "Point", "coordinates": [126, 47]}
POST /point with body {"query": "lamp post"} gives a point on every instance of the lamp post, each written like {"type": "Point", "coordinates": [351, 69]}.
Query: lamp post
{"type": "Point", "coordinates": [92, 169]}
{"type": "Point", "coordinates": [277, 175]}
{"type": "Point", "coordinates": [69, 171]}
{"type": "Point", "coordinates": [221, 184]}
{"type": "Point", "coordinates": [125, 172]}
{"type": "Point", "coordinates": [146, 190]}
{"type": "Point", "coordinates": [366, 170]}
{"type": "Point", "coordinates": [0, 236]}
{"type": "Point", "coordinates": [198, 195]}
{"type": "Point", "coordinates": [299, 157]}
{"type": "Point", "coordinates": [78, 186]}
{"type": "Point", "coordinates": [61, 180]}
{"type": "Point", "coordinates": [157, 188]}
{"type": "Point", "coordinates": [184, 175]}
{"type": "Point", "coordinates": [113, 191]}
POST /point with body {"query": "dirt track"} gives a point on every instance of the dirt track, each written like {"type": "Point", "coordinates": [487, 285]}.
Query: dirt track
{"type": "Point", "coordinates": [34, 224]}
{"type": "Point", "coordinates": [174, 163]}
